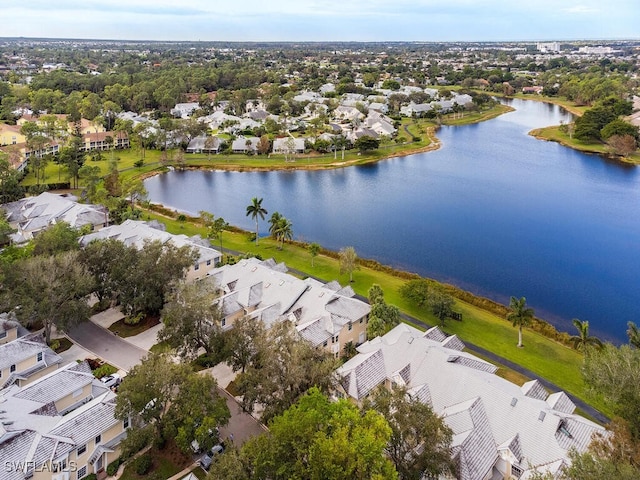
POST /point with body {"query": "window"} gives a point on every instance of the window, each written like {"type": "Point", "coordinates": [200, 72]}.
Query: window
{"type": "Point", "coordinates": [196, 266]}
{"type": "Point", "coordinates": [13, 368]}
{"type": "Point", "coordinates": [125, 423]}
{"type": "Point", "coordinates": [325, 343]}
{"type": "Point", "coordinates": [39, 357]}
{"type": "Point", "coordinates": [98, 439]}
{"type": "Point", "coordinates": [361, 320]}
{"type": "Point", "coordinates": [82, 449]}
{"type": "Point", "coordinates": [208, 262]}
{"type": "Point", "coordinates": [516, 471]}
{"type": "Point", "coordinates": [3, 334]}
{"type": "Point", "coordinates": [350, 326]}
{"type": "Point", "coordinates": [82, 472]}
{"type": "Point", "coordinates": [224, 322]}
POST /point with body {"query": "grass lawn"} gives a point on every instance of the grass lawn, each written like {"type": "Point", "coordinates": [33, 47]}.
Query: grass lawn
{"type": "Point", "coordinates": [166, 463]}
{"type": "Point", "coordinates": [547, 358]}
{"type": "Point", "coordinates": [64, 344]}
{"type": "Point", "coordinates": [123, 330]}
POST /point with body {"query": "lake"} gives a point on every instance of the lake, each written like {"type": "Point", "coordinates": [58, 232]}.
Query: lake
{"type": "Point", "coordinates": [494, 211]}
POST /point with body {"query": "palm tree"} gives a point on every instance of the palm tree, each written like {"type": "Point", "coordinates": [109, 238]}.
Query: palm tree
{"type": "Point", "coordinates": [256, 211]}
{"type": "Point", "coordinates": [520, 315]}
{"type": "Point", "coordinates": [284, 231]}
{"type": "Point", "coordinates": [273, 223]}
{"type": "Point", "coordinates": [634, 334]}
{"type": "Point", "coordinates": [583, 339]}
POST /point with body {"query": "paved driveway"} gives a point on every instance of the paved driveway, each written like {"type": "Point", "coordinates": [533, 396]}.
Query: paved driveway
{"type": "Point", "coordinates": [106, 345]}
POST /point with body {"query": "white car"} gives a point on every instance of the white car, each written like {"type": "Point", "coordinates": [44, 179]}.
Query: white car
{"type": "Point", "coordinates": [112, 380]}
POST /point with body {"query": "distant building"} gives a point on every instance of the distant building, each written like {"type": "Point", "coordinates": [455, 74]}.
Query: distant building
{"type": "Point", "coordinates": [548, 47]}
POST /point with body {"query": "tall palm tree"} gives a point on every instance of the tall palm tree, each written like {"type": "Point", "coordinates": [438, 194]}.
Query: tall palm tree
{"type": "Point", "coordinates": [583, 339]}
{"type": "Point", "coordinates": [284, 231]}
{"type": "Point", "coordinates": [634, 334]}
{"type": "Point", "coordinates": [520, 315]}
{"type": "Point", "coordinates": [255, 210]}
{"type": "Point", "coordinates": [273, 223]}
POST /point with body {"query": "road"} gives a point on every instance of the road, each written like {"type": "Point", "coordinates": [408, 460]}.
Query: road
{"type": "Point", "coordinates": [106, 345]}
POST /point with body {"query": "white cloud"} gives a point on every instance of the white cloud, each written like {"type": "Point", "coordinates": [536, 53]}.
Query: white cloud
{"type": "Point", "coordinates": [581, 9]}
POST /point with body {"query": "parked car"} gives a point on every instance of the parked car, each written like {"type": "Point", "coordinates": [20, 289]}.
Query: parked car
{"type": "Point", "coordinates": [195, 445]}
{"type": "Point", "coordinates": [207, 459]}
{"type": "Point", "coordinates": [112, 380]}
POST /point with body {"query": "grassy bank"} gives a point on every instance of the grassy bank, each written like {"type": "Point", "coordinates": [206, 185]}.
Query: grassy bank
{"type": "Point", "coordinates": [555, 134]}
{"type": "Point", "coordinates": [543, 356]}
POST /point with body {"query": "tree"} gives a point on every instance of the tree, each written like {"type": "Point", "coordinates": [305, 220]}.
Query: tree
{"type": "Point", "coordinates": [192, 320]}
{"type": "Point", "coordinates": [178, 402]}
{"type": "Point", "coordinates": [273, 223]}
{"type": "Point", "coordinates": [215, 226]}
{"type": "Point", "coordinates": [348, 261]}
{"type": "Point", "coordinates": [366, 143]}
{"type": "Point", "coordinates": [255, 210]}
{"type": "Point", "coordinates": [155, 269]}
{"type": "Point", "coordinates": [619, 127]}
{"type": "Point", "coordinates": [441, 304]}
{"type": "Point", "coordinates": [314, 250]}
{"type": "Point", "coordinates": [58, 238]}
{"type": "Point", "coordinates": [50, 290]}
{"type": "Point", "coordinates": [108, 261]}
{"type": "Point", "coordinates": [383, 317]}
{"type": "Point", "coordinates": [417, 291]}
{"type": "Point", "coordinates": [623, 144]}
{"type": "Point", "coordinates": [319, 439]}
{"type": "Point", "coordinates": [10, 188]}
{"type": "Point", "coordinates": [91, 178]}
{"type": "Point", "coordinates": [244, 343]}
{"type": "Point", "coordinates": [520, 315]}
{"type": "Point", "coordinates": [284, 231]}
{"type": "Point", "coordinates": [73, 158]}
{"type": "Point", "coordinates": [285, 367]}
{"type": "Point", "coordinates": [634, 334]}
{"type": "Point", "coordinates": [613, 373]}
{"type": "Point", "coordinates": [420, 443]}
{"type": "Point", "coordinates": [583, 339]}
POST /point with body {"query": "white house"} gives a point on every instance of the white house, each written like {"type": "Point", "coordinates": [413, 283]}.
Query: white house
{"type": "Point", "coordinates": [500, 430]}
{"type": "Point", "coordinates": [136, 233]}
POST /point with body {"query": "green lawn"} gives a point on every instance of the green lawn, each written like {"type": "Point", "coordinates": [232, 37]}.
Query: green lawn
{"type": "Point", "coordinates": [547, 358]}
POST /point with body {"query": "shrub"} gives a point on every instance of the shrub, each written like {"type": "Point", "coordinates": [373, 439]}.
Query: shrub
{"type": "Point", "coordinates": [143, 464]}
{"type": "Point", "coordinates": [54, 345]}
{"type": "Point", "coordinates": [91, 476]}
{"type": "Point", "coordinates": [136, 440]}
{"type": "Point", "coordinates": [112, 468]}
{"type": "Point", "coordinates": [133, 319]}
{"type": "Point", "coordinates": [104, 370]}
{"type": "Point", "coordinates": [138, 163]}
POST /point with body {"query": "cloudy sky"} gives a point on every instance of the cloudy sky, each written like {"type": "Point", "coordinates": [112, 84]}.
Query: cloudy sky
{"type": "Point", "coordinates": [318, 20]}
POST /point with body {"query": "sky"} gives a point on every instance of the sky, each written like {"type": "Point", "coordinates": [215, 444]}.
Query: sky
{"type": "Point", "coordinates": [323, 20]}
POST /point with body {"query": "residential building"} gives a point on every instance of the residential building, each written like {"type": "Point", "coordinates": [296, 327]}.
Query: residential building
{"type": "Point", "coordinates": [327, 315]}
{"type": "Point", "coordinates": [245, 145]}
{"type": "Point", "coordinates": [33, 214]}
{"type": "Point", "coordinates": [25, 359]}
{"type": "Point", "coordinates": [288, 145]}
{"type": "Point", "coordinates": [104, 141]}
{"type": "Point", "coordinates": [500, 430]}
{"type": "Point", "coordinates": [10, 328]}
{"type": "Point", "coordinates": [137, 233]}
{"type": "Point", "coordinates": [184, 110]}
{"type": "Point", "coordinates": [59, 427]}
{"type": "Point", "coordinates": [10, 135]}
{"type": "Point", "coordinates": [203, 144]}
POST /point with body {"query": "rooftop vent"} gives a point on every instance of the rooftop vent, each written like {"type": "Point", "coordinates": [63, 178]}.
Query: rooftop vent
{"type": "Point", "coordinates": [541, 416]}
{"type": "Point", "coordinates": [514, 400]}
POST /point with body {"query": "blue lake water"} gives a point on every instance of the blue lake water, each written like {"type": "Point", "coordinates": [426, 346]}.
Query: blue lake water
{"type": "Point", "coordinates": [493, 211]}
